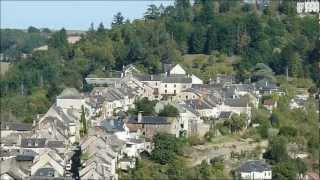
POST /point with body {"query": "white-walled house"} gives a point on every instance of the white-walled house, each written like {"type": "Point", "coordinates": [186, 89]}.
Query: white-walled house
{"type": "Point", "coordinates": [307, 6]}
{"type": "Point", "coordinates": [196, 80]}
{"type": "Point", "coordinates": [70, 98]}
{"type": "Point", "coordinates": [255, 170]}
{"type": "Point", "coordinates": [177, 69]}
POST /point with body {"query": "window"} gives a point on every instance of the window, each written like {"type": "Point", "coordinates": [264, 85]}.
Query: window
{"type": "Point", "coordinates": [156, 84]}
{"type": "Point", "coordinates": [186, 97]}
{"type": "Point", "coordinates": [174, 92]}
{"type": "Point", "coordinates": [174, 85]}
{"type": "Point", "coordinates": [165, 91]}
{"type": "Point", "coordinates": [165, 85]}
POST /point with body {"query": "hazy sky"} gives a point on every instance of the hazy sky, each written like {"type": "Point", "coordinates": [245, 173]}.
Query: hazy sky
{"type": "Point", "coordinates": [72, 15]}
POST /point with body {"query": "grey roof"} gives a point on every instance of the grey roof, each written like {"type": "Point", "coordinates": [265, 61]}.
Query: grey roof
{"type": "Point", "coordinates": [33, 143]}
{"type": "Point", "coordinates": [102, 81]}
{"type": "Point", "coordinates": [70, 93]}
{"type": "Point", "coordinates": [148, 120]}
{"type": "Point", "coordinates": [147, 77]}
{"type": "Point", "coordinates": [225, 115]}
{"type": "Point", "coordinates": [16, 126]}
{"type": "Point", "coordinates": [48, 172]}
{"type": "Point", "coordinates": [237, 102]}
{"type": "Point", "coordinates": [254, 166]}
{"type": "Point", "coordinates": [177, 79]}
{"type": "Point", "coordinates": [113, 125]}
{"type": "Point", "coordinates": [266, 85]}
{"type": "Point", "coordinates": [198, 104]}
{"type": "Point", "coordinates": [55, 144]}
{"type": "Point", "coordinates": [24, 157]}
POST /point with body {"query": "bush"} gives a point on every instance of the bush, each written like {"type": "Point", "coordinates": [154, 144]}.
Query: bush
{"type": "Point", "coordinates": [169, 111]}
{"type": "Point", "coordinates": [288, 131]}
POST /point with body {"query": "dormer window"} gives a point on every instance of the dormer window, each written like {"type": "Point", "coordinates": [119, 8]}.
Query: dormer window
{"type": "Point", "coordinates": [36, 144]}
{"type": "Point", "coordinates": [29, 143]}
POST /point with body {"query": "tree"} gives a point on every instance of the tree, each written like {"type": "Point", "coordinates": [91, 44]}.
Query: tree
{"type": "Point", "coordinates": [101, 30]}
{"type": "Point", "coordinates": [207, 11]}
{"type": "Point", "coordinates": [46, 30]}
{"type": "Point", "coordinates": [117, 19]}
{"type": "Point", "coordinates": [277, 151]}
{"type": "Point", "coordinates": [166, 148]}
{"type": "Point", "coordinates": [32, 29]}
{"type": "Point", "coordinates": [153, 12]}
{"type": "Point", "coordinates": [83, 122]}
{"type": "Point", "coordinates": [284, 170]}
{"type": "Point", "coordinates": [288, 131]}
{"type": "Point", "coordinates": [197, 40]}
{"type": "Point", "coordinates": [144, 105]}
{"type": "Point", "coordinates": [295, 65]}
{"type": "Point", "coordinates": [169, 111]}
{"type": "Point", "coordinates": [59, 41]}
{"type": "Point", "coordinates": [236, 123]}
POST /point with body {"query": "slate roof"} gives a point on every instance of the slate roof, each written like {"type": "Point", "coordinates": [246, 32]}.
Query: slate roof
{"type": "Point", "coordinates": [177, 79]}
{"type": "Point", "coordinates": [198, 104]}
{"type": "Point", "coordinates": [55, 144]}
{"type": "Point", "coordinates": [113, 125]}
{"type": "Point", "coordinates": [70, 93]}
{"type": "Point", "coordinates": [148, 120]}
{"type": "Point", "coordinates": [16, 126]}
{"type": "Point", "coordinates": [24, 157]}
{"type": "Point", "coordinates": [33, 143]}
{"type": "Point", "coordinates": [48, 172]}
{"type": "Point", "coordinates": [237, 102]}
{"type": "Point", "coordinates": [254, 166]}
{"type": "Point", "coordinates": [102, 81]}
{"type": "Point", "coordinates": [266, 85]}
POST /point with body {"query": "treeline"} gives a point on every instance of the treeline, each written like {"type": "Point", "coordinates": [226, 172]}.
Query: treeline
{"type": "Point", "coordinates": [14, 43]}
{"type": "Point", "coordinates": [275, 36]}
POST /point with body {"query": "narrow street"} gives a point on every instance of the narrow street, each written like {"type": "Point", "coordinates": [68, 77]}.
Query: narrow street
{"type": "Point", "coordinates": [76, 163]}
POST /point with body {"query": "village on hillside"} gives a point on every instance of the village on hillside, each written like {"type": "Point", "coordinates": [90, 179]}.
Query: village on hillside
{"type": "Point", "coordinates": [115, 123]}
{"type": "Point", "coordinates": [212, 90]}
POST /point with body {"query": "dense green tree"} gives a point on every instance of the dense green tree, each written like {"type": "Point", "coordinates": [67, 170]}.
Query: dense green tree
{"type": "Point", "coordinates": [153, 12]}
{"type": "Point", "coordinates": [144, 105]}
{"type": "Point", "coordinates": [166, 148]}
{"type": "Point", "coordinates": [277, 151]}
{"type": "Point", "coordinates": [284, 170]}
{"type": "Point", "coordinates": [295, 66]}
{"type": "Point", "coordinates": [32, 29]}
{"type": "Point", "coordinates": [117, 19]}
{"type": "Point", "coordinates": [169, 111]}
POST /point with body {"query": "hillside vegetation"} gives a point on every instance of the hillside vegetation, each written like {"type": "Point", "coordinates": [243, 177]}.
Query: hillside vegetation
{"type": "Point", "coordinates": [232, 37]}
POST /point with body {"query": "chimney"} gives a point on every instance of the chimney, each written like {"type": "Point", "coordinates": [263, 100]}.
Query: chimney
{"type": "Point", "coordinates": [139, 116]}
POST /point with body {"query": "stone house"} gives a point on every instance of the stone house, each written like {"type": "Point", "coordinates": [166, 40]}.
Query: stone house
{"type": "Point", "coordinates": [148, 126]}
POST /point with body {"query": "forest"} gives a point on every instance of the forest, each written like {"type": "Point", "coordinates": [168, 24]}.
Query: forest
{"type": "Point", "coordinates": [233, 37]}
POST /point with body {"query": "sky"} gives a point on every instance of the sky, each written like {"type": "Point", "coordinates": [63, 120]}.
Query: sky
{"type": "Point", "coordinates": [72, 15]}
